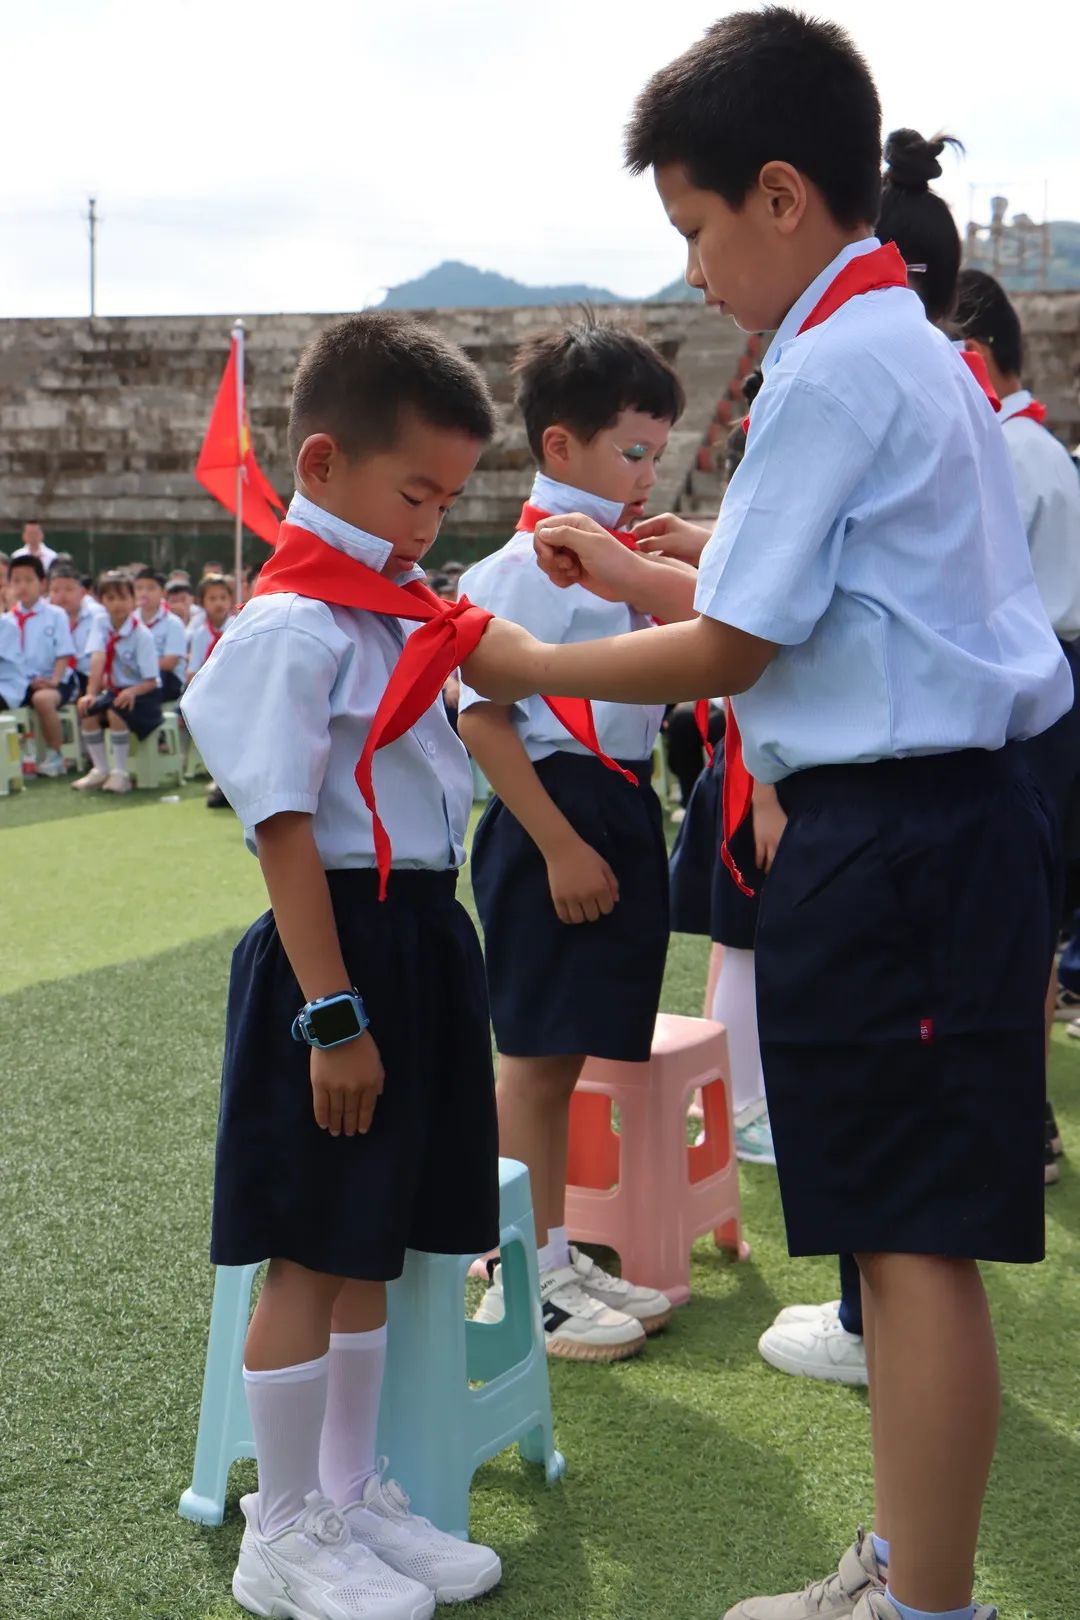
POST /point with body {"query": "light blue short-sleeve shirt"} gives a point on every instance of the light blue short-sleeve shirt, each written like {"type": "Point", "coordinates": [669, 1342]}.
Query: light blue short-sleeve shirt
{"type": "Point", "coordinates": [511, 584]}
{"type": "Point", "coordinates": [170, 638]}
{"type": "Point", "coordinates": [13, 677]}
{"type": "Point", "coordinates": [282, 711]}
{"type": "Point", "coordinates": [872, 530]}
{"type": "Point", "coordinates": [134, 656]}
{"type": "Point", "coordinates": [46, 636]}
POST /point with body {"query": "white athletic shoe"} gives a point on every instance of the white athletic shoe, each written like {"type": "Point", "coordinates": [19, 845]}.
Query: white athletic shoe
{"type": "Point", "coordinates": [646, 1305]}
{"type": "Point", "coordinates": [807, 1313]}
{"type": "Point", "coordinates": [818, 1348]}
{"type": "Point", "coordinates": [453, 1570]}
{"type": "Point", "coordinates": [576, 1327]}
{"type": "Point", "coordinates": [92, 782]}
{"type": "Point", "coordinates": [117, 782]}
{"type": "Point", "coordinates": [53, 765]}
{"type": "Point", "coordinates": [317, 1570]}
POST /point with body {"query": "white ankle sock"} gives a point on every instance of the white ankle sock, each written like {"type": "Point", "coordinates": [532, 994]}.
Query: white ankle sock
{"type": "Point", "coordinates": [121, 741]}
{"type": "Point", "coordinates": [735, 1006]}
{"type": "Point", "coordinates": [287, 1406]}
{"type": "Point", "coordinates": [94, 743]}
{"type": "Point", "coordinates": [350, 1426]}
{"type": "Point", "coordinates": [558, 1246]}
{"type": "Point", "coordinates": [545, 1257]}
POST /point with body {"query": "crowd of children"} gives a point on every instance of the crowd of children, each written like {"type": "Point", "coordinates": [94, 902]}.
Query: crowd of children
{"type": "Point", "coordinates": [115, 649]}
{"type": "Point", "coordinates": [890, 603]}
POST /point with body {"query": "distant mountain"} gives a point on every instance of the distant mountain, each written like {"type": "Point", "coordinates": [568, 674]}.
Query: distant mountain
{"type": "Point", "coordinates": [453, 285]}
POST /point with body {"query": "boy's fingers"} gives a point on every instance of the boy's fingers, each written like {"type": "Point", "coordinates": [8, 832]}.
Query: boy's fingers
{"type": "Point", "coordinates": [368, 1099]}
{"type": "Point", "coordinates": [653, 527]}
{"type": "Point", "coordinates": [612, 882]}
{"type": "Point", "coordinates": [606, 901]}
{"type": "Point", "coordinates": [350, 1113]}
{"type": "Point", "coordinates": [334, 1111]}
{"type": "Point", "coordinates": [321, 1104]}
{"type": "Point", "coordinates": [591, 909]}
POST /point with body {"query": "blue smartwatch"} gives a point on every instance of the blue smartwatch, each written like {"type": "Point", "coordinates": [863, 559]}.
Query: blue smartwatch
{"type": "Point", "coordinates": [332, 1020]}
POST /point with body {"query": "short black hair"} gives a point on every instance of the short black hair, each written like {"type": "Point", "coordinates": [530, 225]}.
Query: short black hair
{"type": "Point", "coordinates": [116, 579]}
{"type": "Point", "coordinates": [28, 560]}
{"type": "Point", "coordinates": [983, 312]}
{"type": "Point", "coordinates": [918, 220]}
{"type": "Point", "coordinates": [585, 374]}
{"type": "Point", "coordinates": [175, 585]}
{"type": "Point", "coordinates": [209, 580]}
{"type": "Point", "coordinates": [151, 573]}
{"type": "Point", "coordinates": [87, 581]}
{"type": "Point", "coordinates": [64, 570]}
{"type": "Point", "coordinates": [766, 86]}
{"type": "Point", "coordinates": [357, 377]}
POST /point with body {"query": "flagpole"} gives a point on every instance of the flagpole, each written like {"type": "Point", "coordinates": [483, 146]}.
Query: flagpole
{"type": "Point", "coordinates": [238, 541]}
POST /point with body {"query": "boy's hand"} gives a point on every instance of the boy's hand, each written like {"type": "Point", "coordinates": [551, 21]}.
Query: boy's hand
{"type": "Point", "coordinates": [671, 536]}
{"type": "Point", "coordinates": [576, 551]}
{"type": "Point", "coordinates": [42, 683]}
{"type": "Point", "coordinates": [346, 1083]}
{"type": "Point", "coordinates": [124, 698]}
{"type": "Point", "coordinates": [769, 823]}
{"type": "Point", "coordinates": [84, 703]}
{"type": "Point", "coordinates": [501, 668]}
{"type": "Point", "coordinates": [583, 886]}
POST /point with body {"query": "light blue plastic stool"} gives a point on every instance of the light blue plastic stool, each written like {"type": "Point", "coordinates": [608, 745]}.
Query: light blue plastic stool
{"type": "Point", "coordinates": [435, 1428]}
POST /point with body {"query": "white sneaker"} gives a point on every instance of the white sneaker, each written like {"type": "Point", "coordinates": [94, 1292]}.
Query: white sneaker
{"type": "Point", "coordinates": [807, 1313]}
{"type": "Point", "coordinates": [117, 782]}
{"type": "Point", "coordinates": [94, 780]}
{"type": "Point", "coordinates": [576, 1327]}
{"type": "Point", "coordinates": [384, 1523]}
{"type": "Point", "coordinates": [820, 1348]}
{"type": "Point", "coordinates": [53, 765]}
{"type": "Point", "coordinates": [316, 1570]}
{"type": "Point", "coordinates": [646, 1305]}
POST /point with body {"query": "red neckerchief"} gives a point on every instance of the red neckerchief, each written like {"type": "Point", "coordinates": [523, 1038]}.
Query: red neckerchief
{"type": "Point", "coordinates": [449, 632]}
{"type": "Point", "coordinates": [1036, 410]}
{"type": "Point", "coordinates": [20, 620]}
{"type": "Point", "coordinates": [531, 516]}
{"type": "Point", "coordinates": [110, 646]}
{"type": "Point", "coordinates": [977, 366]}
{"type": "Point", "coordinates": [216, 635]}
{"type": "Point", "coordinates": [869, 272]}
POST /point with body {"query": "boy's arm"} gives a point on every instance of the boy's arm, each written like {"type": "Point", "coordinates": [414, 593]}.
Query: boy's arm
{"type": "Point", "coordinates": [576, 551]}
{"type": "Point", "coordinates": [93, 681]}
{"type": "Point", "coordinates": [127, 694]}
{"type": "Point", "coordinates": [675, 663]}
{"type": "Point", "coordinates": [583, 886]}
{"type": "Point", "coordinates": [769, 822]}
{"type": "Point", "coordinates": [345, 1080]}
{"type": "Point", "coordinates": [167, 662]}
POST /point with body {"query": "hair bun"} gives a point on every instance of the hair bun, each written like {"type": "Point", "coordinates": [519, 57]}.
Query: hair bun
{"type": "Point", "coordinates": [912, 161]}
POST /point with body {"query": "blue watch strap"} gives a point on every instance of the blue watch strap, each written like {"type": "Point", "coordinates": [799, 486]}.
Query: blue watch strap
{"type": "Point", "coordinates": [304, 1024]}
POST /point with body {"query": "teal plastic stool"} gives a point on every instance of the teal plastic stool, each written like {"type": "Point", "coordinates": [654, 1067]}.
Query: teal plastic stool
{"type": "Point", "coordinates": [456, 1392]}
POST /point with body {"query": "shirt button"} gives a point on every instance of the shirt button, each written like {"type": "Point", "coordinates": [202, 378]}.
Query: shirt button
{"type": "Point", "coordinates": [429, 747]}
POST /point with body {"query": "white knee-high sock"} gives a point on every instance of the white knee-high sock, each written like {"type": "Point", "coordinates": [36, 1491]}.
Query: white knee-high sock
{"type": "Point", "coordinates": [735, 1006]}
{"type": "Point", "coordinates": [350, 1426]}
{"type": "Point", "coordinates": [94, 743]}
{"type": "Point", "coordinates": [121, 741]}
{"type": "Point", "coordinates": [287, 1406]}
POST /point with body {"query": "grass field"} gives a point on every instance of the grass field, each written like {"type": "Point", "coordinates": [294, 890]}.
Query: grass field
{"type": "Point", "coordinates": [696, 1474]}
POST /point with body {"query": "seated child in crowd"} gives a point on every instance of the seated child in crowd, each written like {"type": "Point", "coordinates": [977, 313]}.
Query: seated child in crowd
{"type": "Point", "coordinates": [169, 633]}
{"type": "Point", "coordinates": [379, 1133]}
{"type": "Point", "coordinates": [123, 685]}
{"type": "Point", "coordinates": [569, 860]}
{"type": "Point", "coordinates": [180, 599]}
{"type": "Point", "coordinates": [46, 648]}
{"type": "Point", "coordinates": [67, 591]}
{"type": "Point", "coordinates": [217, 603]}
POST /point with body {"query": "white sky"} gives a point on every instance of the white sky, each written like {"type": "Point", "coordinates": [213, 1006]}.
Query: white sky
{"type": "Point", "coordinates": [254, 155]}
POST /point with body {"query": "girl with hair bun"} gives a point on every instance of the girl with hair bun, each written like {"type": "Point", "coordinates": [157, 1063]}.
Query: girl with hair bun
{"type": "Point", "coordinates": [918, 220]}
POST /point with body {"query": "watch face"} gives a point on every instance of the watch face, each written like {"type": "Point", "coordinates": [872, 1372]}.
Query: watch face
{"type": "Point", "coordinates": [335, 1023]}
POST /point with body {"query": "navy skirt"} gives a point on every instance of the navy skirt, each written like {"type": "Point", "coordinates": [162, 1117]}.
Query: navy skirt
{"type": "Point", "coordinates": [903, 951]}
{"type": "Point", "coordinates": [705, 899]}
{"type": "Point", "coordinates": [562, 988]}
{"type": "Point", "coordinates": [426, 1174]}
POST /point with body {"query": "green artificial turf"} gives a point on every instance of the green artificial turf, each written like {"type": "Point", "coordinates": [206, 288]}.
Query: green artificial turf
{"type": "Point", "coordinates": [696, 1474]}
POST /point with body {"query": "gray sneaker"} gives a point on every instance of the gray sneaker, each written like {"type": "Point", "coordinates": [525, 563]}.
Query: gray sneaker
{"type": "Point", "coordinates": [838, 1596]}
{"type": "Point", "coordinates": [877, 1606]}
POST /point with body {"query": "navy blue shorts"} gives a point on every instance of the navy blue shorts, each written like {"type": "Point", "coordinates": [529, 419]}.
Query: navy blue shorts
{"type": "Point", "coordinates": [144, 715]}
{"type": "Point", "coordinates": [705, 899]}
{"type": "Point", "coordinates": [903, 951]}
{"type": "Point", "coordinates": [562, 988]}
{"type": "Point", "coordinates": [426, 1174]}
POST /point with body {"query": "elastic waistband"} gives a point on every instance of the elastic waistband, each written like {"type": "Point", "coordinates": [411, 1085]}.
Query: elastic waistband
{"type": "Point", "coordinates": [970, 770]}
{"type": "Point", "coordinates": [359, 884]}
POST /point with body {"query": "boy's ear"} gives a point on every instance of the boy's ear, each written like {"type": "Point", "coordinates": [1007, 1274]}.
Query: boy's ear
{"type": "Point", "coordinates": [555, 445]}
{"type": "Point", "coordinates": [316, 459]}
{"type": "Point", "coordinates": [974, 346]}
{"type": "Point", "coordinates": [783, 190]}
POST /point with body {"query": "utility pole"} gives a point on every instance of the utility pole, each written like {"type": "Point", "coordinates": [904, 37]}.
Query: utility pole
{"type": "Point", "coordinates": [92, 220]}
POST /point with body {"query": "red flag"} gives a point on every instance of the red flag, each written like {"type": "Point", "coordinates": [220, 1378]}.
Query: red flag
{"type": "Point", "coordinates": [227, 446]}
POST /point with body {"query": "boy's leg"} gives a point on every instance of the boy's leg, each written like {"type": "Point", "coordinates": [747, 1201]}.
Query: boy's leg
{"type": "Point", "coordinates": [121, 741]}
{"type": "Point", "coordinates": [935, 1401]}
{"type": "Point", "coordinates": [285, 1379]}
{"type": "Point", "coordinates": [94, 743]}
{"type": "Point", "coordinates": [46, 704]}
{"type": "Point", "coordinates": [355, 1377]}
{"type": "Point", "coordinates": [533, 1096]}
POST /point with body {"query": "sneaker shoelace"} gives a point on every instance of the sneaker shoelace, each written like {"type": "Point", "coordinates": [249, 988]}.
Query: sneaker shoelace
{"type": "Point", "coordinates": [572, 1297]}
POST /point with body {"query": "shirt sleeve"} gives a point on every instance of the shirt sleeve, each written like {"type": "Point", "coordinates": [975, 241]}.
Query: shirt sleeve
{"type": "Point", "coordinates": [259, 711]}
{"type": "Point", "coordinates": [1027, 493]}
{"type": "Point", "coordinates": [99, 630]}
{"type": "Point", "coordinates": [146, 658]}
{"type": "Point", "coordinates": [64, 646]}
{"type": "Point", "coordinates": [175, 638]}
{"type": "Point", "coordinates": [770, 568]}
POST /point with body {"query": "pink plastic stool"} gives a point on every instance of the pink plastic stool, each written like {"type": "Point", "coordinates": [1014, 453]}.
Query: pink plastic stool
{"type": "Point", "coordinates": [645, 1192]}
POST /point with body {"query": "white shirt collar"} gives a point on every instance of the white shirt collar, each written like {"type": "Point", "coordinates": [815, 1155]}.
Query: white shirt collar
{"type": "Point", "coordinates": [559, 499]}
{"type": "Point", "coordinates": [1013, 404]}
{"type": "Point", "coordinates": [356, 543]}
{"type": "Point", "coordinates": [801, 308]}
